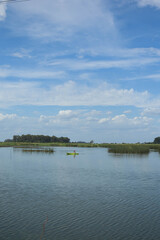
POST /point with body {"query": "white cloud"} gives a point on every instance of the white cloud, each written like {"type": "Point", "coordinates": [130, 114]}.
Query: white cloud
{"type": "Point", "coordinates": [90, 26]}
{"type": "Point", "coordinates": [127, 111]}
{"type": "Point", "coordinates": [22, 53]}
{"type": "Point", "coordinates": [29, 73]}
{"type": "Point", "coordinates": [106, 64]}
{"type": "Point", "coordinates": [80, 21]}
{"type": "Point", "coordinates": [120, 52]}
{"type": "Point", "coordinates": [152, 3]}
{"type": "Point", "coordinates": [3, 9]}
{"type": "Point", "coordinates": [77, 117]}
{"type": "Point", "coordinates": [125, 122]}
{"type": "Point", "coordinates": [76, 125]}
{"type": "Point", "coordinates": [7, 116]}
{"type": "Point", "coordinates": [125, 52]}
{"type": "Point", "coordinates": [65, 12]}
{"type": "Point", "coordinates": [103, 120]}
{"type": "Point", "coordinates": [102, 50]}
{"type": "Point", "coordinates": [65, 113]}
{"type": "Point", "coordinates": [138, 52]}
{"type": "Point", "coordinates": [119, 118]}
{"type": "Point", "coordinates": [152, 111]}
{"type": "Point", "coordinates": [122, 119]}
{"type": "Point", "coordinates": [64, 117]}
{"type": "Point", "coordinates": [151, 76]}
{"type": "Point", "coordinates": [112, 129]}
{"type": "Point", "coordinates": [72, 94]}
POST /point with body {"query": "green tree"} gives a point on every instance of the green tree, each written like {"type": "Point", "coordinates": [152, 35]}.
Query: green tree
{"type": "Point", "coordinates": [157, 140]}
{"type": "Point", "coordinates": [39, 138]}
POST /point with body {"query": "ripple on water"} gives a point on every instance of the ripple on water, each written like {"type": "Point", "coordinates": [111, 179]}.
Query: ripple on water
{"type": "Point", "coordinates": [82, 200]}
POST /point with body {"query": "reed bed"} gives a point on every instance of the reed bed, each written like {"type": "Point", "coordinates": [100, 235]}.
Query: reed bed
{"type": "Point", "coordinates": [129, 148]}
{"type": "Point", "coordinates": [155, 147]}
{"type": "Point", "coordinates": [38, 150]}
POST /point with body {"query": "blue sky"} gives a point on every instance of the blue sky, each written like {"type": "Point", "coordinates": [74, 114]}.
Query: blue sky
{"type": "Point", "coordinates": [85, 69]}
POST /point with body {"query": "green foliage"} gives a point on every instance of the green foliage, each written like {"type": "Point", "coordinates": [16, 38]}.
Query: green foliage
{"type": "Point", "coordinates": [39, 139]}
{"type": "Point", "coordinates": [157, 140]}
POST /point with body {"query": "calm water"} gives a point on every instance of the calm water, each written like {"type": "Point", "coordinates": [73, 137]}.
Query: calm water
{"type": "Point", "coordinates": [95, 195]}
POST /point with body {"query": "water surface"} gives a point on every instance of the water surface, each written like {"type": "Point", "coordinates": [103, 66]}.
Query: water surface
{"type": "Point", "coordinates": [95, 195]}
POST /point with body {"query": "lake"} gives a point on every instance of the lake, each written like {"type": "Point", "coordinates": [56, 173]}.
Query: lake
{"type": "Point", "coordinates": [95, 195]}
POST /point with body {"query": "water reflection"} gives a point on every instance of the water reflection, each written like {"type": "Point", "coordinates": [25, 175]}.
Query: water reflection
{"type": "Point", "coordinates": [129, 155]}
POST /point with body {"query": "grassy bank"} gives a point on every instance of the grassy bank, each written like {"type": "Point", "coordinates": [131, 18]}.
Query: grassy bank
{"type": "Point", "coordinates": [25, 144]}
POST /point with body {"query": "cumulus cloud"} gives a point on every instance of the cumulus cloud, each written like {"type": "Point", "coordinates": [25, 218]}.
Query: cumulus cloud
{"type": "Point", "coordinates": [7, 116]}
{"type": "Point", "coordinates": [64, 117]}
{"type": "Point", "coordinates": [66, 114]}
{"type": "Point", "coordinates": [70, 122]}
{"type": "Point", "coordinates": [103, 120]}
{"type": "Point", "coordinates": [109, 129]}
{"type": "Point", "coordinates": [125, 122]}
{"type": "Point", "coordinates": [72, 94]}
{"type": "Point", "coordinates": [84, 118]}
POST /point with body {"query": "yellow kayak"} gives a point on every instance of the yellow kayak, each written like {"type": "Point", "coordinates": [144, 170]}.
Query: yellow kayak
{"type": "Point", "coordinates": [73, 153]}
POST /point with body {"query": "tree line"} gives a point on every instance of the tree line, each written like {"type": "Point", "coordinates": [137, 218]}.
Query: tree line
{"type": "Point", "coordinates": [38, 139]}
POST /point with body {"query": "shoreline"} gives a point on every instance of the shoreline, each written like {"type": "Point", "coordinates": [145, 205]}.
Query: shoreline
{"type": "Point", "coordinates": [128, 148]}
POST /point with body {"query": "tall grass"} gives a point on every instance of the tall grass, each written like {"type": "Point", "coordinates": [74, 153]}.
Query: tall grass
{"type": "Point", "coordinates": [31, 150]}
{"type": "Point", "coordinates": [25, 144]}
{"type": "Point", "coordinates": [129, 148]}
{"type": "Point", "coordinates": [154, 147]}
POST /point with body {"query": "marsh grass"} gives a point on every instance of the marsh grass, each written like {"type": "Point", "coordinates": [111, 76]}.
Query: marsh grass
{"type": "Point", "coordinates": [129, 148]}
{"type": "Point", "coordinates": [155, 147]}
{"type": "Point", "coordinates": [31, 150]}
{"type": "Point", "coordinates": [25, 144]}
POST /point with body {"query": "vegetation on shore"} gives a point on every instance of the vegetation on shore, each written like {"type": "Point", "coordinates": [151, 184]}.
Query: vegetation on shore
{"type": "Point", "coordinates": [29, 138]}
{"type": "Point", "coordinates": [112, 147]}
{"type": "Point", "coordinates": [53, 144]}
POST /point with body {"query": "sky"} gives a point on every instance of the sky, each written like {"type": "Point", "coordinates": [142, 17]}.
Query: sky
{"type": "Point", "coordinates": [83, 69]}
